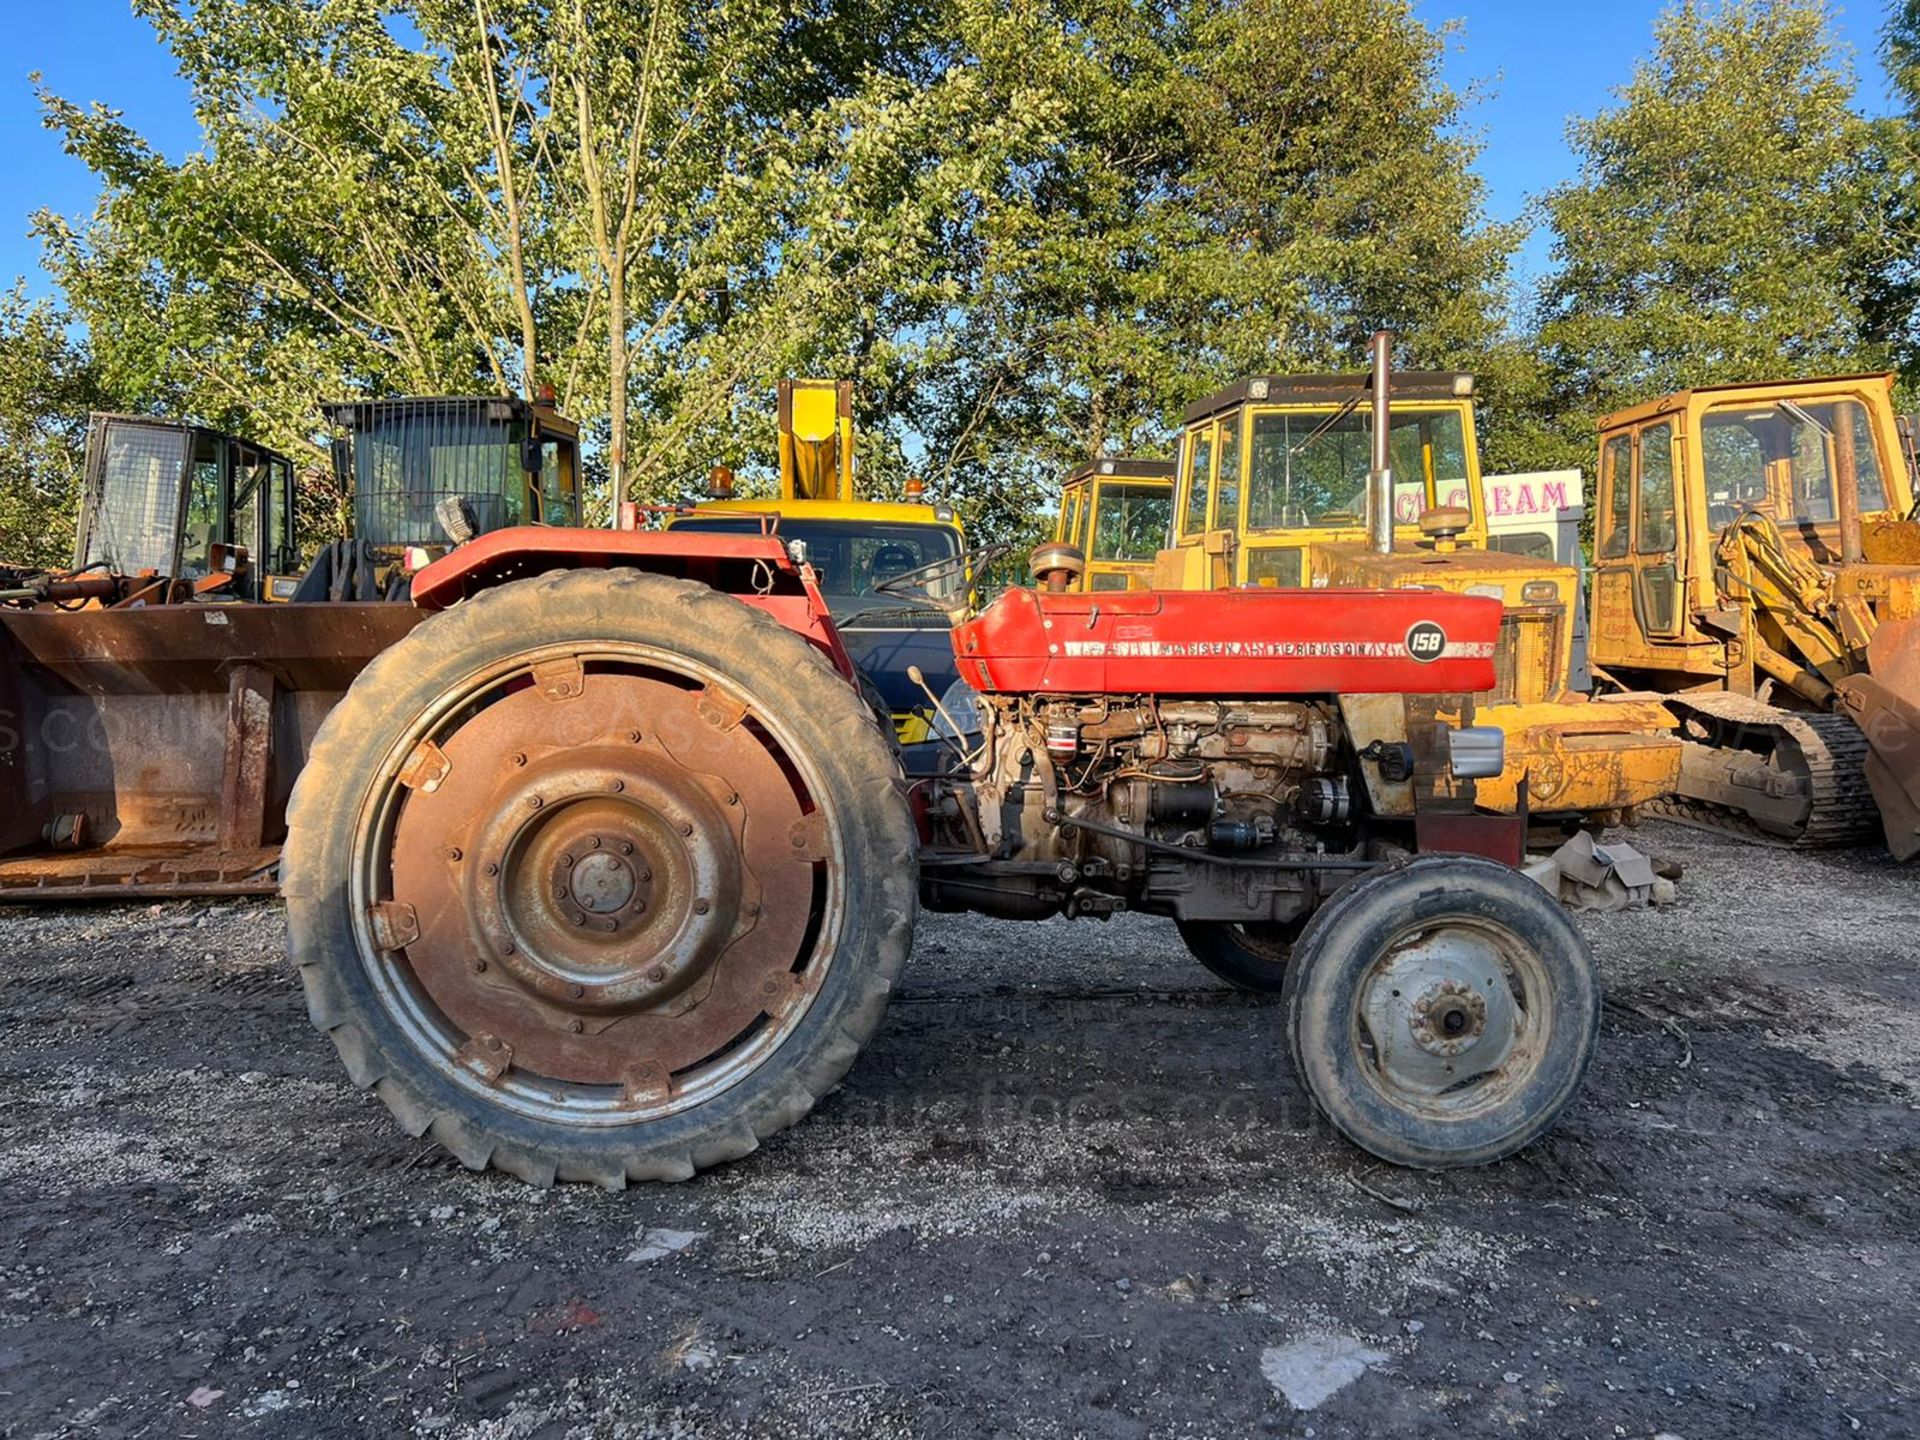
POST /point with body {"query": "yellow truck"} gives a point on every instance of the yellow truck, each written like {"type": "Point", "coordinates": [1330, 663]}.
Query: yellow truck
{"type": "Point", "coordinates": [868, 555]}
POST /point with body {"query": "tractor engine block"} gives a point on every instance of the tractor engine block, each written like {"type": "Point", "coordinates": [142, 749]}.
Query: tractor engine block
{"type": "Point", "coordinates": [1090, 805]}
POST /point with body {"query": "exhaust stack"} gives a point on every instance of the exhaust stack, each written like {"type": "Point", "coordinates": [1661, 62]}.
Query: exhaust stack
{"type": "Point", "coordinates": [1380, 479]}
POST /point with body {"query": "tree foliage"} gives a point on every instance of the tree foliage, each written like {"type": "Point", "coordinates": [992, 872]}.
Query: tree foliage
{"type": "Point", "coordinates": [47, 386]}
{"type": "Point", "coordinates": [1725, 214]}
{"type": "Point", "coordinates": [1028, 233]}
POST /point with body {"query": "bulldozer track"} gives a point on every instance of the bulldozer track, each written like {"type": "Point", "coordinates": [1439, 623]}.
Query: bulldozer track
{"type": "Point", "coordinates": [1828, 751]}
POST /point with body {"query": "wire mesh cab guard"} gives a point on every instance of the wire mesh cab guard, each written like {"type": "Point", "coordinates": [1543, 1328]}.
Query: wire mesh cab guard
{"type": "Point", "coordinates": [510, 461]}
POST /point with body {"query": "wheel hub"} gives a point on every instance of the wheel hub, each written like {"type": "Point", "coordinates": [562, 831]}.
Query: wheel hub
{"type": "Point", "coordinates": [616, 886]}
{"type": "Point", "coordinates": [1440, 1011]}
{"type": "Point", "coordinates": [603, 884]}
{"type": "Point", "coordinates": [615, 883]}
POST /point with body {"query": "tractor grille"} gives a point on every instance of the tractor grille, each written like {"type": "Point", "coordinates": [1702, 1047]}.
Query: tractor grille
{"type": "Point", "coordinates": [1527, 664]}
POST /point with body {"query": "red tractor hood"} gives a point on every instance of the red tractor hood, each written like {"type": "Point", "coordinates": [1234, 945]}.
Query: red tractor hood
{"type": "Point", "coordinates": [1232, 643]}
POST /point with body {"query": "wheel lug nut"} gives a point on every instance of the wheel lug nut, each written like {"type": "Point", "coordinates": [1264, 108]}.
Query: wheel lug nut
{"type": "Point", "coordinates": [626, 847]}
{"type": "Point", "coordinates": [594, 843]}
{"type": "Point", "coordinates": [575, 1026]}
{"type": "Point", "coordinates": [657, 974]}
{"type": "Point", "coordinates": [534, 802]}
{"type": "Point", "coordinates": [492, 869]}
{"type": "Point", "coordinates": [454, 852]}
{"type": "Point", "coordinates": [566, 859]}
{"type": "Point", "coordinates": [560, 893]}
{"type": "Point", "coordinates": [578, 918]}
{"type": "Point", "coordinates": [686, 827]}
{"type": "Point", "coordinates": [733, 797]}
{"type": "Point", "coordinates": [519, 759]}
{"type": "Point", "coordinates": [577, 991]}
{"type": "Point", "coordinates": [700, 907]}
{"type": "Point", "coordinates": [633, 737]}
{"type": "Point", "coordinates": [479, 967]}
{"type": "Point", "coordinates": [646, 874]}
{"type": "Point", "coordinates": [639, 907]}
{"type": "Point", "coordinates": [617, 786]}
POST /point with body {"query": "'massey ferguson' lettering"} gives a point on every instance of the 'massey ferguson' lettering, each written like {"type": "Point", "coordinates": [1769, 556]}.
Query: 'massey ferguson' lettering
{"type": "Point", "coordinates": [1266, 650]}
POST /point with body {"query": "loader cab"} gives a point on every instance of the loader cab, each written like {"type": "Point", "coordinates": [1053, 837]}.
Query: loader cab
{"type": "Point", "coordinates": [511, 461]}
{"type": "Point", "coordinates": [188, 503]}
{"type": "Point", "coordinates": [1272, 491]}
{"type": "Point", "coordinates": [1272, 478]}
{"type": "Point", "coordinates": [1119, 513]}
{"type": "Point", "coordinates": [1676, 472]}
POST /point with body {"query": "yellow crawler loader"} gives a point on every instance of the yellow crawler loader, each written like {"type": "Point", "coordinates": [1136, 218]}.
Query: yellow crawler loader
{"type": "Point", "coordinates": [1757, 560]}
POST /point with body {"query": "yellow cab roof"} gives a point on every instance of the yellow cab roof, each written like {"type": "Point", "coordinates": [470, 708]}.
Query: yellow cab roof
{"type": "Point", "coordinates": [1758, 389]}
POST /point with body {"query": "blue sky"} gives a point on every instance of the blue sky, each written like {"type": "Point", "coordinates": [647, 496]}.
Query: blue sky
{"type": "Point", "coordinates": [1532, 64]}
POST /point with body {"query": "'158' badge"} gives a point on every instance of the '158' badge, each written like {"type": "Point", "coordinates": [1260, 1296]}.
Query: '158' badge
{"type": "Point", "coordinates": [1426, 641]}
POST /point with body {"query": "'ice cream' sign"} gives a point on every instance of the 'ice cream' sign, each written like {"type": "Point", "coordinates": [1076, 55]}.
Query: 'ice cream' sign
{"type": "Point", "coordinates": [1541, 494]}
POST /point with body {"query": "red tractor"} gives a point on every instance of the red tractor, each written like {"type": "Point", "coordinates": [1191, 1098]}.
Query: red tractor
{"type": "Point", "coordinates": [605, 871]}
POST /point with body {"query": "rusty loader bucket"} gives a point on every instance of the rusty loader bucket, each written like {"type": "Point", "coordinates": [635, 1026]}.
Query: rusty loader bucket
{"type": "Point", "coordinates": [150, 752]}
{"type": "Point", "coordinates": [1885, 704]}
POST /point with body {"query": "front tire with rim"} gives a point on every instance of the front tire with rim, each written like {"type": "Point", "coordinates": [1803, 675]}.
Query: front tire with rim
{"type": "Point", "coordinates": [1441, 1012]}
{"type": "Point", "coordinates": [599, 876]}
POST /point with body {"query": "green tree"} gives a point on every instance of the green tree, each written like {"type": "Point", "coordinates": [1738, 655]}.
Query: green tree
{"type": "Point", "coordinates": [1724, 214]}
{"type": "Point", "coordinates": [1892, 286]}
{"type": "Point", "coordinates": [1219, 187]}
{"type": "Point", "coordinates": [47, 387]}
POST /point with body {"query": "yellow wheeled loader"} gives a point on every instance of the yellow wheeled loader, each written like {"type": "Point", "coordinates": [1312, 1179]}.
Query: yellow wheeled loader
{"type": "Point", "coordinates": [1118, 511]}
{"type": "Point", "coordinates": [1757, 560]}
{"type": "Point", "coordinates": [1293, 480]}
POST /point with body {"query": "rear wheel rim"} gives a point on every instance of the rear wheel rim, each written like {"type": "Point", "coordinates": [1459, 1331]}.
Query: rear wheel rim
{"type": "Point", "coordinates": [597, 885]}
{"type": "Point", "coordinates": [1453, 1019]}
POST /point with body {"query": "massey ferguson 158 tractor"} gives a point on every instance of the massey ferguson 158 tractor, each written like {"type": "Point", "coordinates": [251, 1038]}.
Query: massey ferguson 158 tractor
{"type": "Point", "coordinates": [605, 871]}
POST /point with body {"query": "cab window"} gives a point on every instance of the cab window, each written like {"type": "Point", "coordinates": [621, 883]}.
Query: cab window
{"type": "Point", "coordinates": [1617, 467]}
{"type": "Point", "coordinates": [1307, 468]}
{"type": "Point", "coordinates": [1790, 455]}
{"type": "Point", "coordinates": [1131, 521]}
{"type": "Point", "coordinates": [1658, 533]}
{"type": "Point", "coordinates": [1226, 503]}
{"type": "Point", "coordinates": [1199, 478]}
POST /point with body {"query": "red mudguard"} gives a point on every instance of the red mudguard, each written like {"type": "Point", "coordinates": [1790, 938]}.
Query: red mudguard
{"type": "Point", "coordinates": [755, 569]}
{"type": "Point", "coordinates": [1232, 643]}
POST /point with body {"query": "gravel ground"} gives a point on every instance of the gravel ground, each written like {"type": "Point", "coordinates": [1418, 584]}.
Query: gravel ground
{"type": "Point", "coordinates": [1071, 1189]}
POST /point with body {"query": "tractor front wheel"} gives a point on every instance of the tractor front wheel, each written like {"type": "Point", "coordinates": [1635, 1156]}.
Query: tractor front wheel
{"type": "Point", "coordinates": [600, 876]}
{"type": "Point", "coordinates": [1442, 1012]}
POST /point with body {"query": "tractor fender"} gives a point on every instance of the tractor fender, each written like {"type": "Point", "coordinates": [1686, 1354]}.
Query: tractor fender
{"type": "Point", "coordinates": [755, 569]}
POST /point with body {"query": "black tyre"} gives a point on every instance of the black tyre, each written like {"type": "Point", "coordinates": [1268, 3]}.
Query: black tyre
{"type": "Point", "coordinates": [599, 876]}
{"type": "Point", "coordinates": [1248, 957]}
{"type": "Point", "coordinates": [1441, 1012]}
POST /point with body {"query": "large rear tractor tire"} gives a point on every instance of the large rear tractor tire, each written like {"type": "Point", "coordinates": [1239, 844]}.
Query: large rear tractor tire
{"type": "Point", "coordinates": [1247, 957]}
{"type": "Point", "coordinates": [1441, 1013]}
{"type": "Point", "coordinates": [600, 876]}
